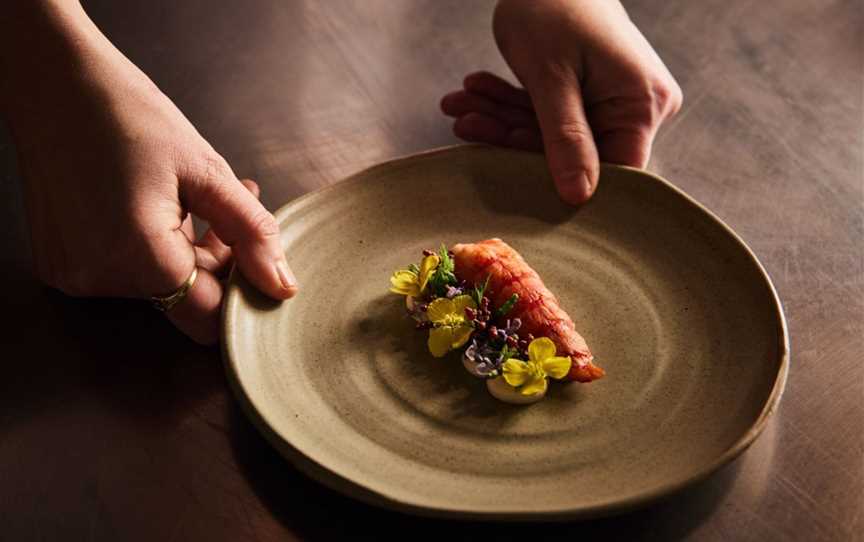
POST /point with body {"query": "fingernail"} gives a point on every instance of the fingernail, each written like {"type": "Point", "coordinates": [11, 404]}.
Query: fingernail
{"type": "Point", "coordinates": [286, 277]}
{"type": "Point", "coordinates": [585, 186]}
{"type": "Point", "coordinates": [576, 188]}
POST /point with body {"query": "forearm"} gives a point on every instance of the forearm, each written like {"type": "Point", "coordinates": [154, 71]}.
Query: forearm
{"type": "Point", "coordinates": [56, 68]}
{"type": "Point", "coordinates": [43, 44]}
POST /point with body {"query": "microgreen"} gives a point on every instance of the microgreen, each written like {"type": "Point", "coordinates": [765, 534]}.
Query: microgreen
{"type": "Point", "coordinates": [507, 306]}
{"type": "Point", "coordinates": [443, 275]}
{"type": "Point", "coordinates": [507, 353]}
{"type": "Point", "coordinates": [478, 291]}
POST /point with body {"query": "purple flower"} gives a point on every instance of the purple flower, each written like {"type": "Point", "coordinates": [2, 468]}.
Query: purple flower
{"type": "Point", "coordinates": [513, 326]}
{"type": "Point", "coordinates": [485, 368]}
{"type": "Point", "coordinates": [485, 355]}
{"type": "Point", "coordinates": [478, 362]}
{"type": "Point", "coordinates": [453, 292]}
{"type": "Point", "coordinates": [481, 359]}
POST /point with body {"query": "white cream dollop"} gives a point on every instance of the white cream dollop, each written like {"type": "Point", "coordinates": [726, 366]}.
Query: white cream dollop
{"type": "Point", "coordinates": [501, 390]}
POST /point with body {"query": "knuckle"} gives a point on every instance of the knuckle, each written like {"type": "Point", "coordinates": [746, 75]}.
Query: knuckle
{"type": "Point", "coordinates": [212, 194]}
{"type": "Point", "coordinates": [207, 168]}
{"type": "Point", "coordinates": [648, 107]}
{"type": "Point", "coordinates": [676, 99]}
{"type": "Point", "coordinates": [666, 96]}
{"type": "Point", "coordinates": [575, 133]}
{"type": "Point", "coordinates": [213, 166]}
{"type": "Point", "coordinates": [263, 224]}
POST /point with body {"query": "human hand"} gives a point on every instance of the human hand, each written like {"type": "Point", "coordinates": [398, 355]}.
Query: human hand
{"type": "Point", "coordinates": [594, 90]}
{"type": "Point", "coordinates": [112, 170]}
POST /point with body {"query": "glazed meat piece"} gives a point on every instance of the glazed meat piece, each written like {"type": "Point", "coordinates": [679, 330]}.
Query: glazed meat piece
{"type": "Point", "coordinates": [537, 307]}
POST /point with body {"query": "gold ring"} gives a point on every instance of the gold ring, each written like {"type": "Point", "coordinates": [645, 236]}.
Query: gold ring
{"type": "Point", "coordinates": [167, 303]}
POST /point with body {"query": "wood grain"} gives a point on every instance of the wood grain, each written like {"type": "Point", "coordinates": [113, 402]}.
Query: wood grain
{"type": "Point", "coordinates": [112, 426]}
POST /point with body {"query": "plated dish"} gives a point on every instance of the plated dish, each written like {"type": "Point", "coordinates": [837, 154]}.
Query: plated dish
{"type": "Point", "coordinates": [676, 308]}
{"type": "Point", "coordinates": [485, 298]}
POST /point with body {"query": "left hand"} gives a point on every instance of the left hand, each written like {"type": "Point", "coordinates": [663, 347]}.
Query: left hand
{"type": "Point", "coordinates": [594, 90]}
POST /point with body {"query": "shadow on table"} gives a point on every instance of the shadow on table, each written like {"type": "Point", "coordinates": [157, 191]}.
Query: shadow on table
{"type": "Point", "coordinates": [120, 354]}
{"type": "Point", "coordinates": [313, 511]}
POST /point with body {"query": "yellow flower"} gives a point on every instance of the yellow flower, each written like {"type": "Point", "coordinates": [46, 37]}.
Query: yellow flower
{"type": "Point", "coordinates": [405, 282]}
{"type": "Point", "coordinates": [450, 327]}
{"type": "Point", "coordinates": [530, 376]}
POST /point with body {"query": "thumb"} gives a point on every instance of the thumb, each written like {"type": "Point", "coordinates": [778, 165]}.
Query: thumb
{"type": "Point", "coordinates": [567, 139]}
{"type": "Point", "coordinates": [242, 223]}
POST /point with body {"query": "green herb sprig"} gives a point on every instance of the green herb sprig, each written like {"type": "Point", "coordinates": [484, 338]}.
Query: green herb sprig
{"type": "Point", "coordinates": [478, 291]}
{"type": "Point", "coordinates": [507, 306]}
{"type": "Point", "coordinates": [507, 352]}
{"type": "Point", "coordinates": [444, 275]}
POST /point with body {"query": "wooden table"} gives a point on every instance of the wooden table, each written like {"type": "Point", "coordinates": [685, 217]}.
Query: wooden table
{"type": "Point", "coordinates": [114, 427]}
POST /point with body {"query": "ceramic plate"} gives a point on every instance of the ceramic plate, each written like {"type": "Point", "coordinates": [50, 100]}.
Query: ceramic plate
{"type": "Point", "coordinates": [673, 304]}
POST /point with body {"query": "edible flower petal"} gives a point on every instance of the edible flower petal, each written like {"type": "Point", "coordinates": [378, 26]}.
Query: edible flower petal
{"type": "Point", "coordinates": [405, 282]}
{"type": "Point", "coordinates": [439, 310]}
{"type": "Point", "coordinates": [440, 340]}
{"type": "Point", "coordinates": [450, 328]}
{"type": "Point", "coordinates": [462, 302]}
{"type": "Point", "coordinates": [461, 335]}
{"type": "Point", "coordinates": [516, 372]}
{"type": "Point", "coordinates": [537, 384]}
{"type": "Point", "coordinates": [556, 367]}
{"type": "Point", "coordinates": [540, 349]}
{"type": "Point", "coordinates": [427, 267]}
{"type": "Point", "coordinates": [530, 376]}
{"type": "Point", "coordinates": [413, 284]}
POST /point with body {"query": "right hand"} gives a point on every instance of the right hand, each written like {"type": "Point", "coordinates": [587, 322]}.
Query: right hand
{"type": "Point", "coordinates": [111, 171]}
{"type": "Point", "coordinates": [594, 89]}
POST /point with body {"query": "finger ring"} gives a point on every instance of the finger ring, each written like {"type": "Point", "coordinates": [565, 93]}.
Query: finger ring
{"type": "Point", "coordinates": [167, 302]}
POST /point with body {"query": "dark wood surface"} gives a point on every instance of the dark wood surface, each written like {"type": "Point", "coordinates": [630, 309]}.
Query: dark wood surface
{"type": "Point", "coordinates": [114, 427]}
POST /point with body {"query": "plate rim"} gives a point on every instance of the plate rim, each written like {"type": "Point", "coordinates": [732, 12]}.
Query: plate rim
{"type": "Point", "coordinates": [352, 489]}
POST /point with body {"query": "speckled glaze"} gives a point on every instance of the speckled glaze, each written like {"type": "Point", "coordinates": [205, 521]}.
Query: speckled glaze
{"type": "Point", "coordinates": [672, 303]}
